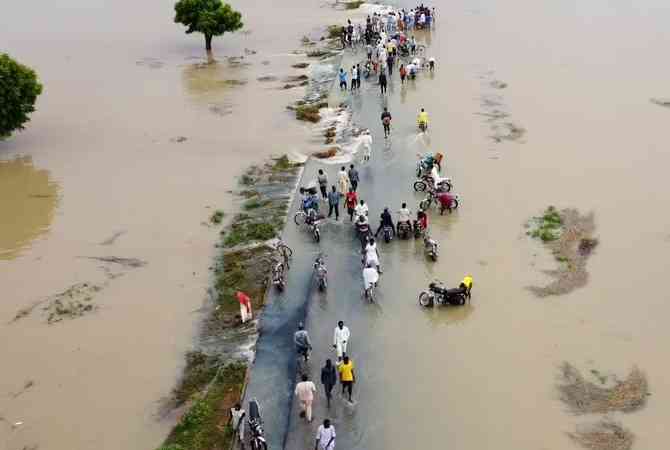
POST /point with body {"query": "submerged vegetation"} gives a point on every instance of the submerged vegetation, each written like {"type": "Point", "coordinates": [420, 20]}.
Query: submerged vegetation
{"type": "Point", "coordinates": [355, 4]}
{"type": "Point", "coordinates": [603, 435]}
{"type": "Point", "coordinates": [217, 216]}
{"type": "Point", "coordinates": [309, 112]}
{"type": "Point", "coordinates": [569, 236]}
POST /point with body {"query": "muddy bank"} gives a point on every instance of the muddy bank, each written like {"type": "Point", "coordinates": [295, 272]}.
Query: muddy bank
{"type": "Point", "coordinates": [215, 372]}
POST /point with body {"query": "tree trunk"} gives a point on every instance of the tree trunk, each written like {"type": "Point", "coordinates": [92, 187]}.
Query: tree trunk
{"type": "Point", "coordinates": [208, 42]}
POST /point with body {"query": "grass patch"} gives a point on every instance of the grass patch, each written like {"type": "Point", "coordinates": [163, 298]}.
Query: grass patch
{"type": "Point", "coordinates": [603, 435]}
{"type": "Point", "coordinates": [303, 65]}
{"type": "Point", "coordinates": [334, 31]}
{"type": "Point", "coordinates": [319, 53]}
{"type": "Point", "coordinates": [205, 425]}
{"type": "Point", "coordinates": [245, 232]}
{"type": "Point", "coordinates": [546, 227]}
{"type": "Point", "coordinates": [582, 396]}
{"type": "Point", "coordinates": [200, 370]}
{"type": "Point", "coordinates": [309, 112]}
{"type": "Point", "coordinates": [217, 216]}
{"type": "Point", "coordinates": [282, 163]}
{"type": "Point", "coordinates": [354, 5]}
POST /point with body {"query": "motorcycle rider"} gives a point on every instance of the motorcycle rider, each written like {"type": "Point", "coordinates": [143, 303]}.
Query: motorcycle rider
{"type": "Point", "coordinates": [422, 220]}
{"type": "Point", "coordinates": [385, 221]}
{"type": "Point", "coordinates": [361, 210]}
{"type": "Point", "coordinates": [363, 229]}
{"type": "Point", "coordinates": [422, 120]}
{"type": "Point", "coordinates": [405, 216]}
{"type": "Point", "coordinates": [435, 175]}
{"type": "Point", "coordinates": [302, 342]}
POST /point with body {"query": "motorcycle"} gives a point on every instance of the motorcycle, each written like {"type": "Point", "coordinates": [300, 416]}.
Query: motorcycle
{"type": "Point", "coordinates": [418, 229]}
{"type": "Point", "coordinates": [433, 197]}
{"type": "Point", "coordinates": [388, 233]}
{"type": "Point", "coordinates": [426, 183]}
{"type": "Point", "coordinates": [441, 295]}
{"type": "Point", "coordinates": [257, 440]}
{"type": "Point", "coordinates": [314, 228]}
{"type": "Point", "coordinates": [431, 247]}
{"type": "Point", "coordinates": [364, 232]}
{"type": "Point", "coordinates": [404, 230]}
{"type": "Point", "coordinates": [321, 273]}
{"type": "Point", "coordinates": [278, 275]}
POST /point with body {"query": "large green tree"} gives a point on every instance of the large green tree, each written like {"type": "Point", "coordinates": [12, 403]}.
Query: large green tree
{"type": "Point", "coordinates": [19, 89]}
{"type": "Point", "coordinates": [209, 17]}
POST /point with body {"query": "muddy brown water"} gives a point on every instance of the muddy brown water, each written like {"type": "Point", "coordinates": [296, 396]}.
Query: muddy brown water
{"type": "Point", "coordinates": [119, 87]}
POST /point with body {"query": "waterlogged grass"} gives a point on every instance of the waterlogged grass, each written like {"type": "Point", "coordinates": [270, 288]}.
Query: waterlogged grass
{"type": "Point", "coordinates": [244, 270]}
{"type": "Point", "coordinates": [547, 227]}
{"type": "Point", "coordinates": [199, 371]}
{"type": "Point", "coordinates": [334, 31]}
{"type": "Point", "coordinates": [354, 4]}
{"type": "Point", "coordinates": [246, 232]}
{"type": "Point", "coordinates": [205, 425]}
{"type": "Point", "coordinates": [217, 216]}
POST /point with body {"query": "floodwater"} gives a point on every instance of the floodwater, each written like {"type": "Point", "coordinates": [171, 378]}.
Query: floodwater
{"type": "Point", "coordinates": [31, 197]}
{"type": "Point", "coordinates": [103, 170]}
{"type": "Point", "coordinates": [120, 88]}
{"type": "Point", "coordinates": [579, 78]}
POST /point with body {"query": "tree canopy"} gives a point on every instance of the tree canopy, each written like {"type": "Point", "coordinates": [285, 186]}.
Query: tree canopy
{"type": "Point", "coordinates": [209, 17]}
{"type": "Point", "coordinates": [19, 89]}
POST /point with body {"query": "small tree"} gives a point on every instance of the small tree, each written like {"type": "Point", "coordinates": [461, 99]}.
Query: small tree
{"type": "Point", "coordinates": [209, 17]}
{"type": "Point", "coordinates": [19, 89]}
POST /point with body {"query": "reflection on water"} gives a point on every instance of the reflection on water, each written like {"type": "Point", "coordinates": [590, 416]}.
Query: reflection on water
{"type": "Point", "coordinates": [28, 197]}
{"type": "Point", "coordinates": [446, 315]}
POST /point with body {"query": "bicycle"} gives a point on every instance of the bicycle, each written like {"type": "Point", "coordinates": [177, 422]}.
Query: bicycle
{"type": "Point", "coordinates": [284, 251]}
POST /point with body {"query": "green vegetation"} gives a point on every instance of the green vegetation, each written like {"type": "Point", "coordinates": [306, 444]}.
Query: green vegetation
{"type": "Point", "coordinates": [245, 231]}
{"type": "Point", "coordinates": [19, 89]}
{"type": "Point", "coordinates": [547, 227]}
{"type": "Point", "coordinates": [200, 370]}
{"type": "Point", "coordinates": [217, 216]}
{"type": "Point", "coordinates": [334, 31]}
{"type": "Point", "coordinates": [244, 270]}
{"type": "Point", "coordinates": [354, 5]}
{"type": "Point", "coordinates": [309, 112]}
{"type": "Point", "coordinates": [209, 17]}
{"type": "Point", "coordinates": [202, 427]}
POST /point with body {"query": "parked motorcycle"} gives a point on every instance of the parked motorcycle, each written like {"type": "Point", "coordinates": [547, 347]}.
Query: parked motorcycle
{"type": "Point", "coordinates": [438, 293]}
{"type": "Point", "coordinates": [279, 275]}
{"type": "Point", "coordinates": [431, 247]}
{"type": "Point", "coordinates": [434, 198]}
{"type": "Point", "coordinates": [418, 229]}
{"type": "Point", "coordinates": [404, 230]}
{"type": "Point", "coordinates": [388, 233]}
{"type": "Point", "coordinates": [321, 273]}
{"type": "Point", "coordinates": [426, 183]}
{"type": "Point", "coordinates": [257, 440]}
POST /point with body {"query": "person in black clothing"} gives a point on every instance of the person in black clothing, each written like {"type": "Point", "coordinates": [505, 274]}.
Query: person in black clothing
{"type": "Point", "coordinates": [382, 81]}
{"type": "Point", "coordinates": [389, 62]}
{"type": "Point", "coordinates": [334, 203]}
{"type": "Point", "coordinates": [386, 221]}
{"type": "Point", "coordinates": [328, 379]}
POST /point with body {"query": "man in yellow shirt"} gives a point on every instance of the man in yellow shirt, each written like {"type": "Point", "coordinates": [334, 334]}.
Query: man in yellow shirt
{"type": "Point", "coordinates": [467, 285]}
{"type": "Point", "coordinates": [423, 118]}
{"type": "Point", "coordinates": [347, 375]}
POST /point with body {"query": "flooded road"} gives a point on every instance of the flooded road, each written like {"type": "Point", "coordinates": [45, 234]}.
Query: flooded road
{"type": "Point", "coordinates": [120, 89]}
{"type": "Point", "coordinates": [486, 374]}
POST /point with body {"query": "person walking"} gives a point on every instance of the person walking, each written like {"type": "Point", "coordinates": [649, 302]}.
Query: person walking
{"type": "Point", "coordinates": [347, 375]}
{"type": "Point", "coordinates": [334, 203]}
{"type": "Point", "coordinates": [366, 141]}
{"type": "Point", "coordinates": [382, 80]}
{"type": "Point", "coordinates": [389, 62]}
{"type": "Point", "coordinates": [325, 436]}
{"type": "Point", "coordinates": [343, 181]}
{"type": "Point", "coordinates": [237, 415]}
{"type": "Point", "coordinates": [302, 342]}
{"type": "Point", "coordinates": [340, 339]}
{"type": "Point", "coordinates": [354, 78]}
{"type": "Point", "coordinates": [353, 177]}
{"type": "Point", "coordinates": [403, 74]}
{"type": "Point", "coordinates": [343, 80]}
{"type": "Point", "coordinates": [351, 202]}
{"type": "Point", "coordinates": [386, 122]}
{"type": "Point", "coordinates": [328, 379]}
{"type": "Point", "coordinates": [245, 306]}
{"type": "Point", "coordinates": [305, 392]}
{"type": "Point", "coordinates": [322, 178]}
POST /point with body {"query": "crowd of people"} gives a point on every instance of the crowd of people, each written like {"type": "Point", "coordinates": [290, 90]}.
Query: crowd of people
{"type": "Point", "coordinates": [384, 39]}
{"type": "Point", "coordinates": [387, 45]}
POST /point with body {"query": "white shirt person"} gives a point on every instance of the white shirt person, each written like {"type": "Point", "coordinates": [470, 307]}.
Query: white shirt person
{"type": "Point", "coordinates": [341, 339]}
